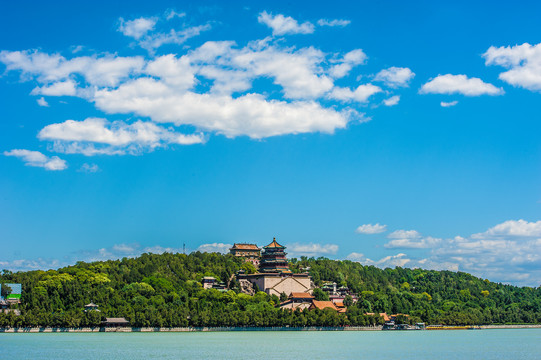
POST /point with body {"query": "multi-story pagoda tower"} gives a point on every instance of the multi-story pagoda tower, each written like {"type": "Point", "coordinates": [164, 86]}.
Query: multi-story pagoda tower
{"type": "Point", "coordinates": [273, 259]}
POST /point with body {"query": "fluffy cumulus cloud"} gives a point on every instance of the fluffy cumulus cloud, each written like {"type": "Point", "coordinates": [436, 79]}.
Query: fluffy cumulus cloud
{"type": "Point", "coordinates": [410, 239]}
{"type": "Point", "coordinates": [512, 228]}
{"type": "Point", "coordinates": [284, 25]}
{"type": "Point", "coordinates": [59, 88]}
{"type": "Point", "coordinates": [459, 84]}
{"type": "Point", "coordinates": [136, 28]}
{"type": "Point", "coordinates": [42, 102]}
{"type": "Point", "coordinates": [115, 137]}
{"type": "Point", "coordinates": [56, 72]}
{"type": "Point", "coordinates": [395, 76]}
{"type": "Point", "coordinates": [312, 249]}
{"type": "Point", "coordinates": [392, 101]}
{"type": "Point", "coordinates": [250, 114]}
{"type": "Point", "coordinates": [344, 65]}
{"type": "Point", "coordinates": [391, 261]}
{"type": "Point", "coordinates": [215, 247]}
{"type": "Point", "coordinates": [417, 243]}
{"type": "Point", "coordinates": [371, 229]}
{"type": "Point", "coordinates": [508, 252]}
{"type": "Point", "coordinates": [522, 61]}
{"type": "Point", "coordinates": [38, 159]}
{"type": "Point", "coordinates": [404, 234]}
{"type": "Point", "coordinates": [210, 88]}
{"type": "Point", "coordinates": [360, 95]}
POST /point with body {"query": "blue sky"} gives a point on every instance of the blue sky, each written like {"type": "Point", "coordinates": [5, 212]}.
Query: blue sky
{"type": "Point", "coordinates": [394, 134]}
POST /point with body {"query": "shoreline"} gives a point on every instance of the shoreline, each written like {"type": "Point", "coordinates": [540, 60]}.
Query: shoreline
{"type": "Point", "coordinates": [222, 329]}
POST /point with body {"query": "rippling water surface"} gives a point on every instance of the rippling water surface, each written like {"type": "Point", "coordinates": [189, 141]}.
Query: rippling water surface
{"type": "Point", "coordinates": [465, 344]}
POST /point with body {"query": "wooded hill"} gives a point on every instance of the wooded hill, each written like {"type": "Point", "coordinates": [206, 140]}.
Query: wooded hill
{"type": "Point", "coordinates": [165, 290]}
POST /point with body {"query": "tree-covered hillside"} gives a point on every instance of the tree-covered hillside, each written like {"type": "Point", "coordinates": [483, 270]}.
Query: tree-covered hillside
{"type": "Point", "coordinates": [165, 290]}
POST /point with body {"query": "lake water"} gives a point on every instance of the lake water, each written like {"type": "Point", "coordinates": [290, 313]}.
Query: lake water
{"type": "Point", "coordinates": [465, 344]}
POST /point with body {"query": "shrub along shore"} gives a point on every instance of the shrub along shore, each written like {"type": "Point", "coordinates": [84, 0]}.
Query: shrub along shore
{"type": "Point", "coordinates": [218, 329]}
{"type": "Point", "coordinates": [164, 291]}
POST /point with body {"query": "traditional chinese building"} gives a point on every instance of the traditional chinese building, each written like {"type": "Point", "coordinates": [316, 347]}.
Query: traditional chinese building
{"type": "Point", "coordinates": [297, 300]}
{"type": "Point", "coordinates": [274, 276]}
{"type": "Point", "coordinates": [208, 282]}
{"type": "Point", "coordinates": [250, 252]}
{"type": "Point", "coordinates": [273, 259]}
{"type": "Point", "coordinates": [91, 307]}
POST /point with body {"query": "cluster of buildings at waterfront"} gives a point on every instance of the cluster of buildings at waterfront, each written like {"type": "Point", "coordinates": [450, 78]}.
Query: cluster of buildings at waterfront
{"type": "Point", "coordinates": [274, 277]}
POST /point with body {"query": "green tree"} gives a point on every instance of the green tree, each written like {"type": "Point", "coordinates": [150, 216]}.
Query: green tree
{"type": "Point", "coordinates": [6, 290]}
{"type": "Point", "coordinates": [320, 295]}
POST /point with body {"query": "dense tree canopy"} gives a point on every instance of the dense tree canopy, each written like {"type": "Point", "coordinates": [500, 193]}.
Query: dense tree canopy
{"type": "Point", "coordinates": [165, 290]}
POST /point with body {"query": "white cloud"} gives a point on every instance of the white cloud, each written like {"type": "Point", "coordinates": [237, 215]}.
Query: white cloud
{"type": "Point", "coordinates": [388, 261]}
{"type": "Point", "coordinates": [395, 76]}
{"type": "Point", "coordinates": [392, 101]}
{"type": "Point", "coordinates": [215, 247]}
{"type": "Point", "coordinates": [138, 27]}
{"type": "Point", "coordinates": [124, 248]}
{"type": "Point", "coordinates": [42, 102]}
{"type": "Point", "coordinates": [508, 252]}
{"type": "Point", "coordinates": [171, 14]}
{"type": "Point", "coordinates": [523, 62]}
{"type": "Point", "coordinates": [355, 256]}
{"type": "Point", "coordinates": [118, 135]}
{"type": "Point", "coordinates": [89, 168]}
{"type": "Point", "coordinates": [28, 264]}
{"type": "Point", "coordinates": [284, 25]}
{"type": "Point", "coordinates": [114, 252]}
{"type": "Point", "coordinates": [413, 243]}
{"type": "Point", "coordinates": [513, 228]}
{"type": "Point", "coordinates": [250, 114]}
{"type": "Point", "coordinates": [334, 22]}
{"type": "Point", "coordinates": [179, 37]}
{"type": "Point", "coordinates": [55, 70]}
{"type": "Point", "coordinates": [404, 234]}
{"type": "Point", "coordinates": [349, 60]}
{"type": "Point", "coordinates": [296, 71]}
{"type": "Point", "coordinates": [149, 36]}
{"type": "Point", "coordinates": [410, 239]}
{"type": "Point", "coordinates": [371, 229]}
{"type": "Point", "coordinates": [37, 159]}
{"type": "Point", "coordinates": [361, 94]}
{"type": "Point", "coordinates": [60, 88]}
{"type": "Point", "coordinates": [448, 104]}
{"type": "Point", "coordinates": [209, 88]}
{"type": "Point", "coordinates": [178, 73]}
{"type": "Point", "coordinates": [157, 249]}
{"type": "Point", "coordinates": [117, 251]}
{"type": "Point", "coordinates": [311, 249]}
{"type": "Point", "coordinates": [459, 84]}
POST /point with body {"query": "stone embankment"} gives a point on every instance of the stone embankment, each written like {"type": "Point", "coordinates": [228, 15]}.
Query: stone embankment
{"type": "Point", "coordinates": [199, 329]}
{"type": "Point", "coordinates": [538, 326]}
{"type": "Point", "coordinates": [180, 329]}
